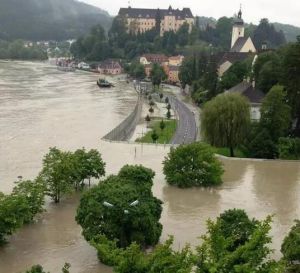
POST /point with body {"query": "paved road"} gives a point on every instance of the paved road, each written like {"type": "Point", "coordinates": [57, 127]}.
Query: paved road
{"type": "Point", "coordinates": [187, 129]}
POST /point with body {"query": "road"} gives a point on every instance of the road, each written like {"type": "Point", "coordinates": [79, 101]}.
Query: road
{"type": "Point", "coordinates": [187, 129]}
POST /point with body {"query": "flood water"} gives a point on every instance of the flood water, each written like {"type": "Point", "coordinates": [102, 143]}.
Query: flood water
{"type": "Point", "coordinates": [41, 107]}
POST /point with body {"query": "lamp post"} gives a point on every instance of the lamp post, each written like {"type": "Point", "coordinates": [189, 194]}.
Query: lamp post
{"type": "Point", "coordinates": [123, 237]}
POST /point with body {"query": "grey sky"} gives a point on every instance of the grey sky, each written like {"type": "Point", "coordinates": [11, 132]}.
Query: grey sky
{"type": "Point", "coordinates": [283, 11]}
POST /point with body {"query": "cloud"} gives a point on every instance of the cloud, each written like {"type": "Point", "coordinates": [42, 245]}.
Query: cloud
{"type": "Point", "coordinates": [286, 11]}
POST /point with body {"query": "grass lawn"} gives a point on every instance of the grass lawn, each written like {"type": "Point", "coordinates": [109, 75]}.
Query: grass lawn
{"type": "Point", "coordinates": [226, 152]}
{"type": "Point", "coordinates": [164, 136]}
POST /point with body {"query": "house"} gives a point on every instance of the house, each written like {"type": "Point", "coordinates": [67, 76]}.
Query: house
{"type": "Point", "coordinates": [139, 20]}
{"type": "Point", "coordinates": [229, 58]}
{"type": "Point", "coordinates": [173, 75]}
{"type": "Point", "coordinates": [241, 46]}
{"type": "Point", "coordinates": [254, 95]}
{"type": "Point", "coordinates": [176, 60]}
{"type": "Point", "coordinates": [110, 67]}
{"type": "Point", "coordinates": [153, 58]}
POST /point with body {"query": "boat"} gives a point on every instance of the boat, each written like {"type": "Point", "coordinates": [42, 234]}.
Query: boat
{"type": "Point", "coordinates": [104, 83]}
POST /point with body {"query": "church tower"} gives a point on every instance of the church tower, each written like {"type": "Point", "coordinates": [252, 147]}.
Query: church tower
{"type": "Point", "coordinates": [238, 30]}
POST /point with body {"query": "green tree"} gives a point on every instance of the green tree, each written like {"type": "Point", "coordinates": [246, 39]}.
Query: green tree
{"type": "Point", "coordinates": [275, 113]}
{"type": "Point", "coordinates": [291, 79]}
{"type": "Point", "coordinates": [87, 165]}
{"type": "Point", "coordinates": [249, 256]}
{"type": "Point", "coordinates": [291, 248]}
{"type": "Point", "coordinates": [183, 35]}
{"type": "Point", "coordinates": [289, 148]}
{"type": "Point", "coordinates": [225, 120]}
{"type": "Point", "coordinates": [34, 194]}
{"type": "Point", "coordinates": [57, 173]}
{"type": "Point", "coordinates": [122, 208]}
{"type": "Point", "coordinates": [192, 165]}
{"type": "Point", "coordinates": [162, 125]}
{"type": "Point", "coordinates": [157, 75]}
{"type": "Point", "coordinates": [154, 136]}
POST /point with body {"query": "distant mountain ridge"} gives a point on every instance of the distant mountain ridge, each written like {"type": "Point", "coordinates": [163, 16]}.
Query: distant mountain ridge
{"type": "Point", "coordinates": [49, 19]}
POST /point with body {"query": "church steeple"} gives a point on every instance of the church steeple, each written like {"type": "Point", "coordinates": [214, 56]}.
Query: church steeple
{"type": "Point", "coordinates": [240, 12]}
{"type": "Point", "coordinates": [238, 30]}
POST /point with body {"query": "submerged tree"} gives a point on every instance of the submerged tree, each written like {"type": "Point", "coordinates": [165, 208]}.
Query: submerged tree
{"type": "Point", "coordinates": [192, 165]}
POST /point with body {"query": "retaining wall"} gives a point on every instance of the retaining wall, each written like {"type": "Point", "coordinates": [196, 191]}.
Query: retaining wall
{"type": "Point", "coordinates": [126, 128]}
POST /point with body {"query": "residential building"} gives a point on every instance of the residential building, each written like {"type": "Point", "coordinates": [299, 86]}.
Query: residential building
{"type": "Point", "coordinates": [141, 20]}
{"type": "Point", "coordinates": [153, 58]}
{"type": "Point", "coordinates": [173, 75]}
{"type": "Point", "coordinates": [110, 67]}
{"type": "Point", "coordinates": [254, 95]}
{"type": "Point", "coordinates": [176, 60]}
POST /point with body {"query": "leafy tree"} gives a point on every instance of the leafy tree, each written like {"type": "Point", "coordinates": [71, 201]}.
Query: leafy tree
{"type": "Point", "coordinates": [151, 110]}
{"type": "Point", "coordinates": [192, 165]}
{"type": "Point", "coordinates": [291, 248]}
{"type": "Point", "coordinates": [266, 33]}
{"type": "Point", "coordinates": [34, 194]}
{"type": "Point", "coordinates": [262, 145]}
{"type": "Point", "coordinates": [87, 165]}
{"type": "Point", "coordinates": [168, 114]}
{"type": "Point", "coordinates": [154, 136]}
{"type": "Point", "coordinates": [183, 34]}
{"type": "Point", "coordinates": [57, 173]}
{"type": "Point", "coordinates": [162, 125]}
{"type": "Point", "coordinates": [249, 256]}
{"type": "Point", "coordinates": [289, 148]}
{"type": "Point", "coordinates": [39, 269]}
{"type": "Point", "coordinates": [122, 208]}
{"type": "Point", "coordinates": [157, 75]}
{"type": "Point", "coordinates": [291, 79]}
{"type": "Point", "coordinates": [147, 118]}
{"type": "Point", "coordinates": [275, 113]}
{"type": "Point", "coordinates": [137, 70]}
{"type": "Point", "coordinates": [225, 120]}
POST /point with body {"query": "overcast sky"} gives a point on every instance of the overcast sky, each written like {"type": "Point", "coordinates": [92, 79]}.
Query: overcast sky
{"type": "Point", "coordinates": [283, 11]}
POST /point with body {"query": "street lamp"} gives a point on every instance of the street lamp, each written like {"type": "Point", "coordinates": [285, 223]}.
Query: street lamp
{"type": "Point", "coordinates": [133, 204]}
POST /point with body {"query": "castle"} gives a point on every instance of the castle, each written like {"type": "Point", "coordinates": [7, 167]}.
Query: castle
{"type": "Point", "coordinates": [141, 20]}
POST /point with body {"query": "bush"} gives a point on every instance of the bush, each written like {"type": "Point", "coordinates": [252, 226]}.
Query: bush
{"type": "Point", "coordinates": [192, 165]}
{"type": "Point", "coordinates": [289, 148]}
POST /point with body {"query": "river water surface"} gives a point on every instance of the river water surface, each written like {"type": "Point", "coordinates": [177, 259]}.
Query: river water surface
{"type": "Point", "coordinates": [41, 107]}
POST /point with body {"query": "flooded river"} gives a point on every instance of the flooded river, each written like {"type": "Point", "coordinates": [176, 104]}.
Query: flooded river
{"type": "Point", "coordinates": [41, 107]}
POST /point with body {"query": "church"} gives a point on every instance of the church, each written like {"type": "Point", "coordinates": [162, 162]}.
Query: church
{"type": "Point", "coordinates": [241, 46]}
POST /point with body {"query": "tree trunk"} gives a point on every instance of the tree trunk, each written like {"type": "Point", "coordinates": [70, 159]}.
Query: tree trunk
{"type": "Point", "coordinates": [231, 151]}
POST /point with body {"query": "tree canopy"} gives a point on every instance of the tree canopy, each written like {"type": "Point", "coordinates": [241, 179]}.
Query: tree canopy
{"type": "Point", "coordinates": [122, 208]}
{"type": "Point", "coordinates": [225, 120]}
{"type": "Point", "coordinates": [192, 165]}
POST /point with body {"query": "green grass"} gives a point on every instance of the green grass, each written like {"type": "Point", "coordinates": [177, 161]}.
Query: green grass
{"type": "Point", "coordinates": [226, 152]}
{"type": "Point", "coordinates": [165, 136]}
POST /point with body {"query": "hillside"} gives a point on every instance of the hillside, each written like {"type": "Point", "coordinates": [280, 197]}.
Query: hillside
{"type": "Point", "coordinates": [48, 19]}
{"type": "Point", "coordinates": [290, 32]}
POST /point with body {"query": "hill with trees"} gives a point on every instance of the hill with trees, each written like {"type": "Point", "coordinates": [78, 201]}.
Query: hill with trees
{"type": "Point", "coordinates": [48, 19]}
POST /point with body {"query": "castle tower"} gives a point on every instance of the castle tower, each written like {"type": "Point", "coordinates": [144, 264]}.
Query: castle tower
{"type": "Point", "coordinates": [238, 30]}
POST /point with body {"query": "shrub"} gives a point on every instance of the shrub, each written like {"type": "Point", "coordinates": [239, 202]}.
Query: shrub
{"type": "Point", "coordinates": [289, 148]}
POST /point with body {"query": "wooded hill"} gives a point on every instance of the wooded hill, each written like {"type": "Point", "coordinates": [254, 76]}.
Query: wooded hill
{"type": "Point", "coordinates": [48, 19]}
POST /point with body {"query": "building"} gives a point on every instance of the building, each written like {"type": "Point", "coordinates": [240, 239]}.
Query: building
{"type": "Point", "coordinates": [173, 75]}
{"type": "Point", "coordinates": [241, 47]}
{"type": "Point", "coordinates": [240, 43]}
{"type": "Point", "coordinates": [153, 58]}
{"type": "Point", "coordinates": [229, 58]}
{"type": "Point", "coordinates": [254, 95]}
{"type": "Point", "coordinates": [110, 67]}
{"type": "Point", "coordinates": [176, 60]}
{"type": "Point", "coordinates": [141, 20]}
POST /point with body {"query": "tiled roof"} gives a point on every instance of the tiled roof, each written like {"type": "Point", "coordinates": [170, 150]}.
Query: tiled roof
{"type": "Point", "coordinates": [246, 89]}
{"type": "Point", "coordinates": [110, 64]}
{"type": "Point", "coordinates": [156, 58]}
{"type": "Point", "coordinates": [233, 57]}
{"type": "Point", "coordinates": [153, 13]}
{"type": "Point", "coordinates": [239, 44]}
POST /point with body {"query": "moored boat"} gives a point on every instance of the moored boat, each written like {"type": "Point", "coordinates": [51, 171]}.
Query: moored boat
{"type": "Point", "coordinates": [104, 83]}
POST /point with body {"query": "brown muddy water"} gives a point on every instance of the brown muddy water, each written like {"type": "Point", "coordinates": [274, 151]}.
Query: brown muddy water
{"type": "Point", "coordinates": [41, 107]}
